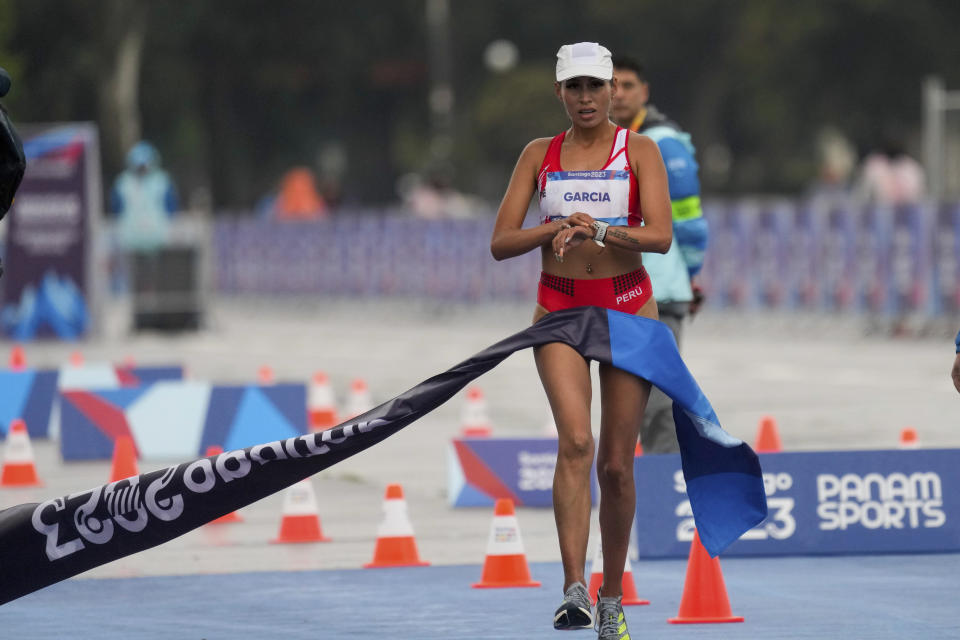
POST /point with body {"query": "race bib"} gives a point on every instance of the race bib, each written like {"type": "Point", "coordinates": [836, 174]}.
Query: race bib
{"type": "Point", "coordinates": [602, 194]}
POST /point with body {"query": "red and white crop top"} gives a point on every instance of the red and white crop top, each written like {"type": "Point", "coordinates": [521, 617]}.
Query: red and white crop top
{"type": "Point", "coordinates": [610, 194]}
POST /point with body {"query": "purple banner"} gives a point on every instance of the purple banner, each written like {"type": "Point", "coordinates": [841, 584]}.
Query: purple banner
{"type": "Point", "coordinates": [46, 289]}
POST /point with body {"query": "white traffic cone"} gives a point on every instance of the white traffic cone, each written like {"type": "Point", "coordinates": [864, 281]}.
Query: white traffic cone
{"type": "Point", "coordinates": [19, 469]}
{"type": "Point", "coordinates": [473, 419]}
{"type": "Point", "coordinates": [359, 400]}
{"type": "Point", "coordinates": [301, 522]}
{"type": "Point", "coordinates": [506, 562]}
{"type": "Point", "coordinates": [396, 546]}
{"type": "Point", "coordinates": [626, 584]}
{"type": "Point", "coordinates": [321, 405]}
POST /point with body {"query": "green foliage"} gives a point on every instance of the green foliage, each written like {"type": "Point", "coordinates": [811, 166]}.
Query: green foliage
{"type": "Point", "coordinates": [234, 92]}
{"type": "Point", "coordinates": [8, 23]}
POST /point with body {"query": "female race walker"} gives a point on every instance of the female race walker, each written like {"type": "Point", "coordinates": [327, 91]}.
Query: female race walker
{"type": "Point", "coordinates": [596, 183]}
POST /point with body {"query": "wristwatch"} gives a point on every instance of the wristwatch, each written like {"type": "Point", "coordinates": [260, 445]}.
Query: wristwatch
{"type": "Point", "coordinates": [600, 231]}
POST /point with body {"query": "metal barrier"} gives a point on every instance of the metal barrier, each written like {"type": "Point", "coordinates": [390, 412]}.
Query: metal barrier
{"type": "Point", "coordinates": [366, 256]}
{"type": "Point", "coordinates": [784, 255]}
{"type": "Point", "coordinates": [791, 256]}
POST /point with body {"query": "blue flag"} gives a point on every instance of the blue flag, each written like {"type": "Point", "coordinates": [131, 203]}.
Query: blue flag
{"type": "Point", "coordinates": [722, 473]}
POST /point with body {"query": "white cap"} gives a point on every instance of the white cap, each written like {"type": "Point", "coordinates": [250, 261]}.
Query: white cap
{"type": "Point", "coordinates": [584, 59]}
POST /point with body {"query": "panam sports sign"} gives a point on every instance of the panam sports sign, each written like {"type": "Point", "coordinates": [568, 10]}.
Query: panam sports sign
{"type": "Point", "coordinates": [899, 501]}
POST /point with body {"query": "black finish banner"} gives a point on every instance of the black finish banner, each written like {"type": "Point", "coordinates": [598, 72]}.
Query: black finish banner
{"type": "Point", "coordinates": [41, 544]}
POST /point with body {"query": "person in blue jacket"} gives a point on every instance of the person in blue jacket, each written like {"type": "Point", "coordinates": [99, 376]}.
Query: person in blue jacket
{"type": "Point", "coordinates": [672, 273]}
{"type": "Point", "coordinates": [144, 199]}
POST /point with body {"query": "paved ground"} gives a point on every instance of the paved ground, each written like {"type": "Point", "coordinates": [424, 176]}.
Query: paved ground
{"type": "Point", "coordinates": [891, 597]}
{"type": "Point", "coordinates": [829, 386]}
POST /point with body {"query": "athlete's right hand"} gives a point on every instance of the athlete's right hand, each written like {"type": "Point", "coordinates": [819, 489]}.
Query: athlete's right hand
{"type": "Point", "coordinates": [568, 238]}
{"type": "Point", "coordinates": [580, 219]}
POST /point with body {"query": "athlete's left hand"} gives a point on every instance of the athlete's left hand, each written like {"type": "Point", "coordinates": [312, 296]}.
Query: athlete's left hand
{"type": "Point", "coordinates": [955, 372]}
{"type": "Point", "coordinates": [698, 297]}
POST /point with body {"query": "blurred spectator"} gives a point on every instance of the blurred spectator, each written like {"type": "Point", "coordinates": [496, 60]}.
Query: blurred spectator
{"type": "Point", "coordinates": [144, 199]}
{"type": "Point", "coordinates": [889, 176]}
{"type": "Point", "coordinates": [331, 191]}
{"type": "Point", "coordinates": [435, 198]}
{"type": "Point", "coordinates": [162, 268]}
{"type": "Point", "coordinates": [837, 160]}
{"type": "Point", "coordinates": [672, 273]}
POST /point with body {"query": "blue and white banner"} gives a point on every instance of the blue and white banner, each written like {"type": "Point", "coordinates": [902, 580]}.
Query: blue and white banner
{"type": "Point", "coordinates": [836, 502]}
{"type": "Point", "coordinates": [48, 290]}
{"type": "Point", "coordinates": [482, 470]}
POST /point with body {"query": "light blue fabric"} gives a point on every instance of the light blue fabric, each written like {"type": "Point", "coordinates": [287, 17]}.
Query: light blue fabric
{"type": "Point", "coordinates": [144, 198]}
{"type": "Point", "coordinates": [143, 154]}
{"type": "Point", "coordinates": [144, 223]}
{"type": "Point", "coordinates": [677, 152]}
{"type": "Point", "coordinates": [670, 273]}
{"type": "Point", "coordinates": [722, 473]}
{"type": "Point", "coordinates": [691, 236]}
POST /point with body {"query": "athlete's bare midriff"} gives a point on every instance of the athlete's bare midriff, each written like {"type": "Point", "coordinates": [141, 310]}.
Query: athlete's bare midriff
{"type": "Point", "coordinates": [604, 262]}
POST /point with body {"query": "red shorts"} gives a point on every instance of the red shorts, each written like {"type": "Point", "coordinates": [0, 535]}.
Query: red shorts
{"type": "Point", "coordinates": [627, 292]}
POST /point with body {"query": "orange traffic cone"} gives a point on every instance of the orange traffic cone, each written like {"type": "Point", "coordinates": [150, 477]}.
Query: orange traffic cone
{"type": "Point", "coordinates": [265, 375]}
{"type": "Point", "coordinates": [320, 403]}
{"type": "Point", "coordinates": [301, 522]}
{"type": "Point", "coordinates": [396, 546]}
{"type": "Point", "coordinates": [233, 516]}
{"type": "Point", "coordinates": [18, 361]}
{"type": "Point", "coordinates": [18, 467]}
{"type": "Point", "coordinates": [506, 562]}
{"type": "Point", "coordinates": [473, 418]}
{"type": "Point", "coordinates": [768, 439]}
{"type": "Point", "coordinates": [638, 450]}
{"type": "Point", "coordinates": [909, 438]}
{"type": "Point", "coordinates": [76, 359]}
{"type": "Point", "coordinates": [124, 463]}
{"type": "Point", "coordinates": [704, 594]}
{"type": "Point", "coordinates": [627, 584]}
{"type": "Point", "coordinates": [359, 400]}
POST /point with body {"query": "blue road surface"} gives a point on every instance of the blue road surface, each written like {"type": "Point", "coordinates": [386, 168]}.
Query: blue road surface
{"type": "Point", "coordinates": [851, 597]}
